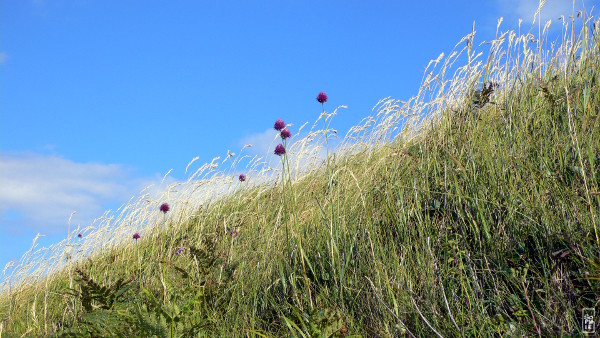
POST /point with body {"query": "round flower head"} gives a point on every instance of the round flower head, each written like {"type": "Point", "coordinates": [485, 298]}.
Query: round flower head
{"type": "Point", "coordinates": [322, 97]}
{"type": "Point", "coordinates": [136, 236]}
{"type": "Point", "coordinates": [279, 124]}
{"type": "Point", "coordinates": [80, 235]}
{"type": "Point", "coordinates": [165, 207]}
{"type": "Point", "coordinates": [279, 150]}
{"type": "Point", "coordinates": [242, 177]}
{"type": "Point", "coordinates": [285, 133]}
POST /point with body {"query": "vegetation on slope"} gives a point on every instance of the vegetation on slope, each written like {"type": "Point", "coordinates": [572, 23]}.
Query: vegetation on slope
{"type": "Point", "coordinates": [484, 223]}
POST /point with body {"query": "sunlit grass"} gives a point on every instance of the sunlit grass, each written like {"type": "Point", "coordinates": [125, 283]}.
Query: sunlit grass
{"type": "Point", "coordinates": [468, 210]}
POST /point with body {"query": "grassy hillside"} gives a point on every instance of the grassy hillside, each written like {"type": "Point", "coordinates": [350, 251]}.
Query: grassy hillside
{"type": "Point", "coordinates": [479, 218]}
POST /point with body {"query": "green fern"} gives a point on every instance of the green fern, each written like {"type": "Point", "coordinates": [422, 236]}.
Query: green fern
{"type": "Point", "coordinates": [149, 323]}
{"type": "Point", "coordinates": [319, 323]}
{"type": "Point", "coordinates": [100, 323]}
{"type": "Point", "coordinates": [205, 256]}
{"type": "Point", "coordinates": [93, 295]}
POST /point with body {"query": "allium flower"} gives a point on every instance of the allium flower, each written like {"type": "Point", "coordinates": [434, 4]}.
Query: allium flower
{"type": "Point", "coordinates": [233, 232]}
{"type": "Point", "coordinates": [279, 124]}
{"type": "Point", "coordinates": [322, 97]}
{"type": "Point", "coordinates": [285, 133]}
{"type": "Point", "coordinates": [279, 150]}
{"type": "Point", "coordinates": [136, 236]}
{"type": "Point", "coordinates": [80, 235]}
{"type": "Point", "coordinates": [179, 251]}
{"type": "Point", "coordinates": [165, 207]}
{"type": "Point", "coordinates": [242, 177]}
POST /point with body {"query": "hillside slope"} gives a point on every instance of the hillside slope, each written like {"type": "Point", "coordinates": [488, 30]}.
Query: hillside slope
{"type": "Point", "coordinates": [479, 220]}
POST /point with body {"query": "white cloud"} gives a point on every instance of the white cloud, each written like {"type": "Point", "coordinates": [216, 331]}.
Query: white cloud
{"type": "Point", "coordinates": [262, 143]}
{"type": "Point", "coordinates": [44, 190]}
{"type": "Point", "coordinates": [262, 146]}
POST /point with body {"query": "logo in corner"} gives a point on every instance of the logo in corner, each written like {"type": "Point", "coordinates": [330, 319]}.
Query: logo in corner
{"type": "Point", "coordinates": [587, 320]}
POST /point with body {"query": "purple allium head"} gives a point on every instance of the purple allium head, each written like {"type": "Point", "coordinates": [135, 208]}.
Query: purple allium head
{"type": "Point", "coordinates": [165, 207]}
{"type": "Point", "coordinates": [136, 236]}
{"type": "Point", "coordinates": [322, 97]}
{"type": "Point", "coordinates": [80, 235]}
{"type": "Point", "coordinates": [279, 124]}
{"type": "Point", "coordinates": [279, 150]}
{"type": "Point", "coordinates": [285, 133]}
{"type": "Point", "coordinates": [242, 177]}
{"type": "Point", "coordinates": [179, 251]}
{"type": "Point", "coordinates": [233, 232]}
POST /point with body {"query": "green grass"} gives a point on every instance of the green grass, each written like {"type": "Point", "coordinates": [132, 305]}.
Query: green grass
{"type": "Point", "coordinates": [478, 219]}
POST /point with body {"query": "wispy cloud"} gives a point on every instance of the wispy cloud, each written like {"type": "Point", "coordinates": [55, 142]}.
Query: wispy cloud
{"type": "Point", "coordinates": [42, 191]}
{"type": "Point", "coordinates": [3, 57]}
{"type": "Point", "coordinates": [262, 142]}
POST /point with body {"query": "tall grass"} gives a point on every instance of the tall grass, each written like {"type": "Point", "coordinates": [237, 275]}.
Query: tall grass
{"type": "Point", "coordinates": [470, 209]}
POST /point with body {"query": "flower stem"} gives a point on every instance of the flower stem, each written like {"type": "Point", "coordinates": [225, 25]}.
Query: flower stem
{"type": "Point", "coordinates": [287, 234]}
{"type": "Point", "coordinates": [329, 184]}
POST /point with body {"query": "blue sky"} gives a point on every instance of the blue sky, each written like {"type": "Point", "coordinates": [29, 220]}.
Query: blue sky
{"type": "Point", "coordinates": [98, 99]}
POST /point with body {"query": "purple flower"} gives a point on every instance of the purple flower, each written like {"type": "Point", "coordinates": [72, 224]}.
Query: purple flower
{"type": "Point", "coordinates": [279, 150]}
{"type": "Point", "coordinates": [179, 251]}
{"type": "Point", "coordinates": [285, 133]}
{"type": "Point", "coordinates": [165, 207]}
{"type": "Point", "coordinates": [322, 97]}
{"type": "Point", "coordinates": [80, 235]}
{"type": "Point", "coordinates": [279, 124]}
{"type": "Point", "coordinates": [233, 232]}
{"type": "Point", "coordinates": [242, 177]}
{"type": "Point", "coordinates": [136, 236]}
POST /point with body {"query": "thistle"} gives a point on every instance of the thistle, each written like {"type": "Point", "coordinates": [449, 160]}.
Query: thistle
{"type": "Point", "coordinates": [279, 125]}
{"type": "Point", "coordinates": [285, 133]}
{"type": "Point", "coordinates": [279, 150]}
{"type": "Point", "coordinates": [322, 97]}
{"type": "Point", "coordinates": [165, 208]}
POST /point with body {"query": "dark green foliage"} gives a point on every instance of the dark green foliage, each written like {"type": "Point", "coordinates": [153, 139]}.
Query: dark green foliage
{"type": "Point", "coordinates": [92, 295]}
{"type": "Point", "coordinates": [99, 323]}
{"type": "Point", "coordinates": [318, 323]}
{"type": "Point", "coordinates": [482, 96]}
{"type": "Point", "coordinates": [187, 311]}
{"type": "Point", "coordinates": [205, 256]}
